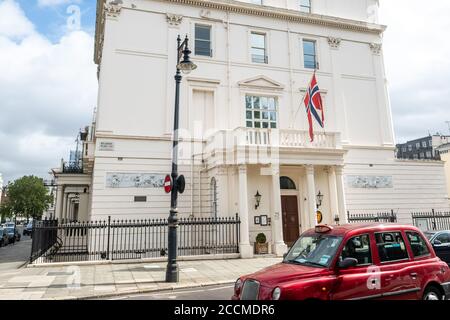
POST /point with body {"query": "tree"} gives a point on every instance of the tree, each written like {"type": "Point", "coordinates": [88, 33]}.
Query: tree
{"type": "Point", "coordinates": [27, 197]}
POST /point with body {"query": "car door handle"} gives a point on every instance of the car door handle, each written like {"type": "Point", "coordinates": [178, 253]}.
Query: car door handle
{"type": "Point", "coordinates": [413, 274]}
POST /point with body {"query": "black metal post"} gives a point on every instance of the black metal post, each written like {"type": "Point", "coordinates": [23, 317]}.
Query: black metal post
{"type": "Point", "coordinates": [109, 234]}
{"type": "Point", "coordinates": [172, 272]}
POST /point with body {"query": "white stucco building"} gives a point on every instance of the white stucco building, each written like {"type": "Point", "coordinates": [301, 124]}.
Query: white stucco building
{"type": "Point", "coordinates": [244, 128]}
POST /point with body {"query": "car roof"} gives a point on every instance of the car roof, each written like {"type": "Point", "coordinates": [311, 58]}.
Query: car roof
{"type": "Point", "coordinates": [369, 227]}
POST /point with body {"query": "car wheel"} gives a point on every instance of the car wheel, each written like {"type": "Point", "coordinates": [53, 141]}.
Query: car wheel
{"type": "Point", "coordinates": [432, 293]}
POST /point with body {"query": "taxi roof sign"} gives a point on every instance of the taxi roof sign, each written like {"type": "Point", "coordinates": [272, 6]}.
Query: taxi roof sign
{"type": "Point", "coordinates": [321, 228]}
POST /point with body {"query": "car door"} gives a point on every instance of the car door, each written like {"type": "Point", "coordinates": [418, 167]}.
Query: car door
{"type": "Point", "coordinates": [361, 281]}
{"type": "Point", "coordinates": [395, 265]}
{"type": "Point", "coordinates": [442, 246]}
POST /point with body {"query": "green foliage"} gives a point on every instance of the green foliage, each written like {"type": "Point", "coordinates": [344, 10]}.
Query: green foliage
{"type": "Point", "coordinates": [261, 238]}
{"type": "Point", "coordinates": [27, 197]}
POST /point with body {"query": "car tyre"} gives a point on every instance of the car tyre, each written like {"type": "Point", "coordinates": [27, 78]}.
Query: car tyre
{"type": "Point", "coordinates": [432, 293]}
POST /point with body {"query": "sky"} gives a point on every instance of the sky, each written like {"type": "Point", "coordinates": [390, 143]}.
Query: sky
{"type": "Point", "coordinates": [48, 83]}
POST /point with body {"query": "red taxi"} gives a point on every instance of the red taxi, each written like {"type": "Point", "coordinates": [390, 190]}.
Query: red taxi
{"type": "Point", "coordinates": [365, 261]}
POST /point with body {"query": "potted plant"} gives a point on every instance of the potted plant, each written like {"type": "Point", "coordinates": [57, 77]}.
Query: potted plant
{"type": "Point", "coordinates": [261, 245]}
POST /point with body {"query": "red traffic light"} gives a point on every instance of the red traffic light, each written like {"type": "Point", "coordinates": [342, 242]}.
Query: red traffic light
{"type": "Point", "coordinates": [168, 184]}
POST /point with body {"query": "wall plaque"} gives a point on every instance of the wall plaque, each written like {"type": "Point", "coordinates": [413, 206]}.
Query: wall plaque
{"type": "Point", "coordinates": [106, 146]}
{"type": "Point", "coordinates": [134, 180]}
{"type": "Point", "coordinates": [369, 182]}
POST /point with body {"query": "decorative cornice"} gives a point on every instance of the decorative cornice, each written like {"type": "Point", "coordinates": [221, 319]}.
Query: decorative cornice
{"type": "Point", "coordinates": [174, 19]}
{"type": "Point", "coordinates": [284, 14]}
{"type": "Point", "coordinates": [113, 8]}
{"type": "Point", "coordinates": [334, 42]}
{"type": "Point", "coordinates": [375, 47]}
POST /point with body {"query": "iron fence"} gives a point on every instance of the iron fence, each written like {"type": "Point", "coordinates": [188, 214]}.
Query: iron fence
{"type": "Point", "coordinates": [372, 217]}
{"type": "Point", "coordinates": [131, 239]}
{"type": "Point", "coordinates": [433, 220]}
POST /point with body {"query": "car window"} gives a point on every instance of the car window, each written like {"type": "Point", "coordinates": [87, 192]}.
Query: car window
{"type": "Point", "coordinates": [391, 246]}
{"type": "Point", "coordinates": [359, 248]}
{"type": "Point", "coordinates": [444, 237]}
{"type": "Point", "coordinates": [418, 245]}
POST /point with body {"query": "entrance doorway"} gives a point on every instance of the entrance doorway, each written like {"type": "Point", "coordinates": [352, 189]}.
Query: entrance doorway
{"type": "Point", "coordinates": [291, 226]}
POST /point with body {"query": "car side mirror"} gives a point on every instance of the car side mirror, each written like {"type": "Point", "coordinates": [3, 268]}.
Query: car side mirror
{"type": "Point", "coordinates": [436, 241]}
{"type": "Point", "coordinates": [348, 263]}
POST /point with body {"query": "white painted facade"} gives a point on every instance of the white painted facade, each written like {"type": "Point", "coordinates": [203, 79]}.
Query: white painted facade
{"type": "Point", "coordinates": [351, 161]}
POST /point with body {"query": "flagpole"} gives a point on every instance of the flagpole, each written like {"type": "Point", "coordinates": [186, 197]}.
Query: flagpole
{"type": "Point", "coordinates": [302, 101]}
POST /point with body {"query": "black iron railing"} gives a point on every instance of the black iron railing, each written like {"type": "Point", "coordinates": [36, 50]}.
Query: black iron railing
{"type": "Point", "coordinates": [44, 239]}
{"type": "Point", "coordinates": [73, 167]}
{"type": "Point", "coordinates": [432, 221]}
{"type": "Point", "coordinates": [372, 217]}
{"type": "Point", "coordinates": [131, 239]}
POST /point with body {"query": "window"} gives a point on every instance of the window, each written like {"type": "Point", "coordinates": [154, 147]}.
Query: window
{"type": "Point", "coordinates": [403, 149]}
{"type": "Point", "coordinates": [409, 147]}
{"type": "Point", "coordinates": [417, 145]}
{"type": "Point", "coordinates": [359, 248]}
{"type": "Point", "coordinates": [422, 155]}
{"type": "Point", "coordinates": [309, 54]}
{"type": "Point", "coordinates": [391, 246]}
{"type": "Point", "coordinates": [428, 154]}
{"type": "Point", "coordinates": [213, 198]}
{"type": "Point", "coordinates": [415, 156]}
{"type": "Point", "coordinates": [286, 183]}
{"type": "Point", "coordinates": [305, 6]}
{"type": "Point", "coordinates": [203, 40]}
{"type": "Point", "coordinates": [424, 144]}
{"type": "Point", "coordinates": [261, 112]}
{"type": "Point", "coordinates": [258, 51]}
{"type": "Point", "coordinates": [430, 143]}
{"type": "Point", "coordinates": [443, 237]}
{"type": "Point", "coordinates": [317, 250]}
{"type": "Point", "coordinates": [418, 245]}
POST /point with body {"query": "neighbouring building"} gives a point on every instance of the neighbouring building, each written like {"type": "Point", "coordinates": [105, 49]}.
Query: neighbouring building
{"type": "Point", "coordinates": [1, 188]}
{"type": "Point", "coordinates": [422, 148]}
{"type": "Point", "coordinates": [444, 152]}
{"type": "Point", "coordinates": [244, 130]}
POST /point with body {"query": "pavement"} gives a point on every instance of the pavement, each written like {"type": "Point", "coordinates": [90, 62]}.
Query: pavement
{"type": "Point", "coordinates": [109, 280]}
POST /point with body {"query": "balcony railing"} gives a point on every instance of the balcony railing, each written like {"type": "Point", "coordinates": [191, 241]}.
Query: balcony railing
{"type": "Point", "coordinates": [72, 167]}
{"type": "Point", "coordinates": [225, 139]}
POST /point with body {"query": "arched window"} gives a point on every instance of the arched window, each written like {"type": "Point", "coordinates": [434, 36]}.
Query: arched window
{"type": "Point", "coordinates": [213, 197]}
{"type": "Point", "coordinates": [286, 183]}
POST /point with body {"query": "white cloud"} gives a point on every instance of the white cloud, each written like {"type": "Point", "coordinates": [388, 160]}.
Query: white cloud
{"type": "Point", "coordinates": [13, 22]}
{"type": "Point", "coordinates": [418, 69]}
{"type": "Point", "coordinates": [51, 3]}
{"type": "Point", "coordinates": [47, 92]}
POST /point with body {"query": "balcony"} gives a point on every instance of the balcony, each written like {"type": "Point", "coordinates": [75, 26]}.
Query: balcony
{"type": "Point", "coordinates": [263, 146]}
{"type": "Point", "coordinates": [72, 167]}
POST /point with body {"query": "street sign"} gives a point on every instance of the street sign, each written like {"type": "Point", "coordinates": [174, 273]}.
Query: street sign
{"type": "Point", "coordinates": [167, 184]}
{"type": "Point", "coordinates": [181, 183]}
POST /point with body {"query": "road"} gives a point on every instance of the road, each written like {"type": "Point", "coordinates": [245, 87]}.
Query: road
{"type": "Point", "coordinates": [219, 292]}
{"type": "Point", "coordinates": [15, 255]}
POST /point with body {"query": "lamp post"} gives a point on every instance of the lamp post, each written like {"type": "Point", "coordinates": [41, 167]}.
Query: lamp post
{"type": "Point", "coordinates": [186, 66]}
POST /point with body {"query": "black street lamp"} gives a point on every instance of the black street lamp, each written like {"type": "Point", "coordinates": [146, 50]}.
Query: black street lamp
{"type": "Point", "coordinates": [178, 182]}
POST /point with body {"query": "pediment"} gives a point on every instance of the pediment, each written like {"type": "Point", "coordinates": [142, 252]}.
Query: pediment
{"type": "Point", "coordinates": [261, 82]}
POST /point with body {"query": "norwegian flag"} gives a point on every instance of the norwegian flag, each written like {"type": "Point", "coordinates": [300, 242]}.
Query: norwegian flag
{"type": "Point", "coordinates": [314, 106]}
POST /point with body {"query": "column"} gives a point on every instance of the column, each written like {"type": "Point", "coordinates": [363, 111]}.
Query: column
{"type": "Point", "coordinates": [278, 247]}
{"type": "Point", "coordinates": [64, 207]}
{"type": "Point", "coordinates": [333, 194]}
{"type": "Point", "coordinates": [341, 195]}
{"type": "Point", "coordinates": [59, 202]}
{"type": "Point", "coordinates": [245, 248]}
{"type": "Point", "coordinates": [311, 196]}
